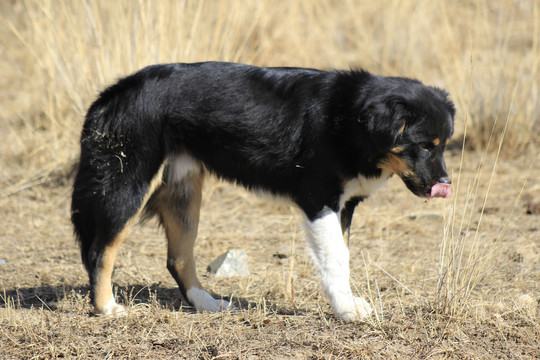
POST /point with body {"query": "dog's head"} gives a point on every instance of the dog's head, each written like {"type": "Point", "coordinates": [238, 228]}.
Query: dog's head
{"type": "Point", "coordinates": [411, 128]}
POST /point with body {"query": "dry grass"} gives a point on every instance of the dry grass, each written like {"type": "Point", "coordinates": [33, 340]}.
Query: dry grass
{"type": "Point", "coordinates": [45, 312]}
{"type": "Point", "coordinates": [465, 285]}
{"type": "Point", "coordinates": [486, 54]}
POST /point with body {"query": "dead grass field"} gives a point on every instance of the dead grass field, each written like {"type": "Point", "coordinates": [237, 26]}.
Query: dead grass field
{"type": "Point", "coordinates": [456, 279]}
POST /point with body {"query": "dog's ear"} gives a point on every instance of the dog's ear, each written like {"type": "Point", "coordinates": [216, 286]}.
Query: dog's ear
{"type": "Point", "coordinates": [386, 122]}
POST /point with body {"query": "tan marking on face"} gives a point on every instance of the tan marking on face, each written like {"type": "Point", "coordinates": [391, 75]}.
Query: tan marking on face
{"type": "Point", "coordinates": [447, 141]}
{"type": "Point", "coordinates": [397, 150]}
{"type": "Point", "coordinates": [436, 142]}
{"type": "Point", "coordinates": [401, 130]}
{"type": "Point", "coordinates": [395, 164]}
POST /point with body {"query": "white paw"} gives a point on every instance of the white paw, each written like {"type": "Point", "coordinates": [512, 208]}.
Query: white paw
{"type": "Point", "coordinates": [111, 309]}
{"type": "Point", "coordinates": [203, 301]}
{"type": "Point", "coordinates": [217, 306]}
{"type": "Point", "coordinates": [352, 309]}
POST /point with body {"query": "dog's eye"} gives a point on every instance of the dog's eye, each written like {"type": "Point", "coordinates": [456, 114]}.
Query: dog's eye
{"type": "Point", "coordinates": [427, 146]}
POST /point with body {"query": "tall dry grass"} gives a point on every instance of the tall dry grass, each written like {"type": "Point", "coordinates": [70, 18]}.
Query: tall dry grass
{"type": "Point", "coordinates": [74, 49]}
{"type": "Point", "coordinates": [467, 255]}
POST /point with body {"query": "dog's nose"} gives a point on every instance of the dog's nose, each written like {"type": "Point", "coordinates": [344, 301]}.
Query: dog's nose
{"type": "Point", "coordinates": [444, 180]}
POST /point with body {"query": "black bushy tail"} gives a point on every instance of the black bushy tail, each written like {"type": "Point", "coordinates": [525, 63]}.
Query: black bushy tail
{"type": "Point", "coordinates": [122, 148]}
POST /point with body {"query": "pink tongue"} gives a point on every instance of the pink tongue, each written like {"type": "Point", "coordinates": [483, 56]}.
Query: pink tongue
{"type": "Point", "coordinates": [441, 190]}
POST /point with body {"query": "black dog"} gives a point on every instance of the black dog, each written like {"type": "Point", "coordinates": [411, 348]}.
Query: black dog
{"type": "Point", "coordinates": [325, 140]}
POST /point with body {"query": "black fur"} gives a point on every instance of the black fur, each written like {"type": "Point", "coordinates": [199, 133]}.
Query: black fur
{"type": "Point", "coordinates": [294, 132]}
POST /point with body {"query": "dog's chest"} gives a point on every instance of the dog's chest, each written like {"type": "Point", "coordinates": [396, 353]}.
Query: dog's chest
{"type": "Point", "coordinates": [362, 186]}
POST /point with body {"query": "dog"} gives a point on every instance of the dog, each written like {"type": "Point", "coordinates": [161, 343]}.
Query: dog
{"type": "Point", "coordinates": [326, 140]}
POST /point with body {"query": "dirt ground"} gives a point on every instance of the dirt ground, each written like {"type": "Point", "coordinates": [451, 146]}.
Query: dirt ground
{"type": "Point", "coordinates": [281, 313]}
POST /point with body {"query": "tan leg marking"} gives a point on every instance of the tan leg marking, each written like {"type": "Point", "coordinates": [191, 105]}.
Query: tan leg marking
{"type": "Point", "coordinates": [181, 221]}
{"type": "Point", "coordinates": [103, 296]}
{"type": "Point", "coordinates": [105, 303]}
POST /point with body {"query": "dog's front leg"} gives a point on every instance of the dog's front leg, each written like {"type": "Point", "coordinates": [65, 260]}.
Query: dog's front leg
{"type": "Point", "coordinates": [331, 257]}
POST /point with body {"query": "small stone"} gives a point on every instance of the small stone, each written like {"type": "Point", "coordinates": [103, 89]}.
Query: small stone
{"type": "Point", "coordinates": [3, 262]}
{"type": "Point", "coordinates": [533, 208]}
{"type": "Point", "coordinates": [280, 255]}
{"type": "Point", "coordinates": [516, 257]}
{"type": "Point", "coordinates": [232, 263]}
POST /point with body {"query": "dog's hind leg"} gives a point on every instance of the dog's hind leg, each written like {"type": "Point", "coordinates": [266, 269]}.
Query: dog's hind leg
{"type": "Point", "coordinates": [102, 216]}
{"type": "Point", "coordinates": [101, 273]}
{"type": "Point", "coordinates": [178, 202]}
{"type": "Point", "coordinates": [101, 226]}
{"type": "Point", "coordinates": [100, 234]}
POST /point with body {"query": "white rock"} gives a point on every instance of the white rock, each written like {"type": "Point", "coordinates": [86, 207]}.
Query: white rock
{"type": "Point", "coordinates": [233, 263]}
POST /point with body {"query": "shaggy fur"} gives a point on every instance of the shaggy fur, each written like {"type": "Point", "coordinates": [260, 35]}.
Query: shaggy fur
{"type": "Point", "coordinates": [324, 139]}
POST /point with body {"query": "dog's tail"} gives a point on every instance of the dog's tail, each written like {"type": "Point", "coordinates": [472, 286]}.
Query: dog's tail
{"type": "Point", "coordinates": [122, 149]}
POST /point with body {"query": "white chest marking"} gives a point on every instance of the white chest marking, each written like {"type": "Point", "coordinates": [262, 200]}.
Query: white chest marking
{"type": "Point", "coordinates": [363, 186]}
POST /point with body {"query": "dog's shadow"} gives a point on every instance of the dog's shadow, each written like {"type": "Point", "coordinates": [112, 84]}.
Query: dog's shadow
{"type": "Point", "coordinates": [54, 298]}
